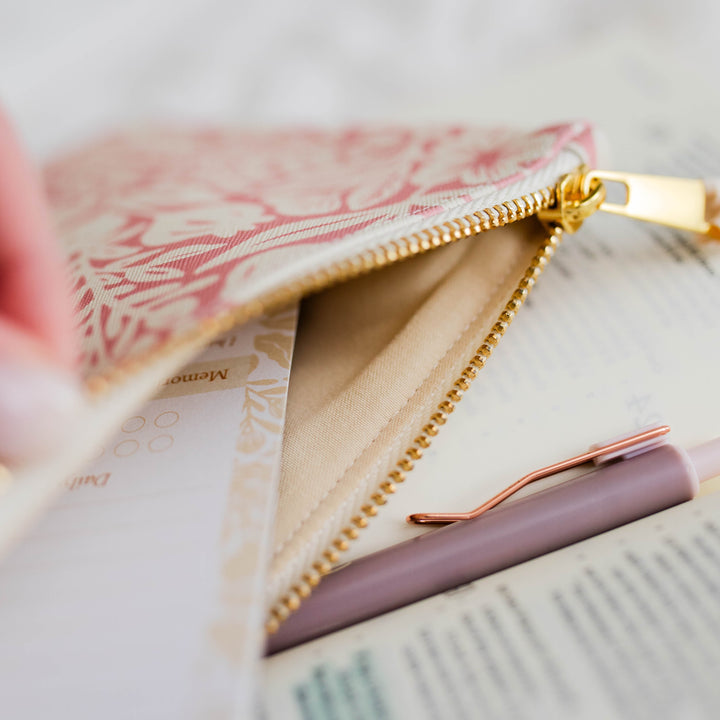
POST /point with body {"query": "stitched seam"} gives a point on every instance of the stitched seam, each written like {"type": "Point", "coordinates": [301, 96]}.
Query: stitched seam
{"type": "Point", "coordinates": [457, 339]}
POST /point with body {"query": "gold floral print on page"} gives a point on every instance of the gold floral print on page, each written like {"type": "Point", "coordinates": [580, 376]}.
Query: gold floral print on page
{"type": "Point", "coordinates": [235, 632]}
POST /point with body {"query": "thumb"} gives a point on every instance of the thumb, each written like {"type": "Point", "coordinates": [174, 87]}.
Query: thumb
{"type": "Point", "coordinates": [38, 402]}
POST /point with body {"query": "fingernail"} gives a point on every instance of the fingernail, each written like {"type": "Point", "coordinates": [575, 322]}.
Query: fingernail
{"type": "Point", "coordinates": [37, 405]}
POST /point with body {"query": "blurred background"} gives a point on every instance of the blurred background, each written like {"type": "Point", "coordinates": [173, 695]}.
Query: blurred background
{"type": "Point", "coordinates": [76, 69]}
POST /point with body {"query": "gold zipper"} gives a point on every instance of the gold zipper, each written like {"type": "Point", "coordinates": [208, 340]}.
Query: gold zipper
{"type": "Point", "coordinates": [676, 202]}
{"type": "Point", "coordinates": [681, 203]}
{"type": "Point", "coordinates": [330, 557]}
{"type": "Point", "coordinates": [466, 226]}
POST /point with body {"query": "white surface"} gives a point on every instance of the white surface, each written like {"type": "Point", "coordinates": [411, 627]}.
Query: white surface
{"type": "Point", "coordinates": [77, 68]}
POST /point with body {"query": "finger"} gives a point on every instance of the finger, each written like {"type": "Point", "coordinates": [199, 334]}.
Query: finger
{"type": "Point", "coordinates": [39, 393]}
{"type": "Point", "coordinates": [35, 308]}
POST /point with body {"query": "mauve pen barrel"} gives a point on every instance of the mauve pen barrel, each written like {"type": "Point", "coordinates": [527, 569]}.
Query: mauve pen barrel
{"type": "Point", "coordinates": [608, 497]}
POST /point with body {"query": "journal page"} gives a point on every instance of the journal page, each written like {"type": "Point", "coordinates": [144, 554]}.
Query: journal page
{"type": "Point", "coordinates": [140, 594]}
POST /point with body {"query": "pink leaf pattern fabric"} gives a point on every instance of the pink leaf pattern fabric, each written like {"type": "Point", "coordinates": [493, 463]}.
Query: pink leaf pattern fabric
{"type": "Point", "coordinates": [164, 228]}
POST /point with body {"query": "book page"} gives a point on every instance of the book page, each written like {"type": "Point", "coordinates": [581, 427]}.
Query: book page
{"type": "Point", "coordinates": [626, 624]}
{"type": "Point", "coordinates": [141, 593]}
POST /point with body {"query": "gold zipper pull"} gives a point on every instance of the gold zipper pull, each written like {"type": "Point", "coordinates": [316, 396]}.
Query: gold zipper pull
{"type": "Point", "coordinates": [575, 200]}
{"type": "Point", "coordinates": [677, 202]}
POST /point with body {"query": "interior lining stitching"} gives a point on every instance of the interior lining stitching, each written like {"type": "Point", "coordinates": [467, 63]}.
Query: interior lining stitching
{"type": "Point", "coordinates": [457, 339]}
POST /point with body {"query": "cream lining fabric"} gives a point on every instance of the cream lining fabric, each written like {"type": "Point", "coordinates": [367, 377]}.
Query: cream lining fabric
{"type": "Point", "coordinates": [373, 358]}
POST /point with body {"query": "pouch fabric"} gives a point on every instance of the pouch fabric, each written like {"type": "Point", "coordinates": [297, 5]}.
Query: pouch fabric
{"type": "Point", "coordinates": [165, 228]}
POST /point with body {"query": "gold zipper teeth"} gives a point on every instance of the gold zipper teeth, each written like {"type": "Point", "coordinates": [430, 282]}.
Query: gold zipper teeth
{"type": "Point", "coordinates": [448, 232]}
{"type": "Point", "coordinates": [395, 251]}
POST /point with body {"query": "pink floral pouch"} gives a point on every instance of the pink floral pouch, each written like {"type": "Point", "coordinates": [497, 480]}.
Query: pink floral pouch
{"type": "Point", "coordinates": [166, 229]}
{"type": "Point", "coordinates": [173, 235]}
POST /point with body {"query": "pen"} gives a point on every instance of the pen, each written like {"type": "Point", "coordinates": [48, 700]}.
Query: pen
{"type": "Point", "coordinates": [635, 476]}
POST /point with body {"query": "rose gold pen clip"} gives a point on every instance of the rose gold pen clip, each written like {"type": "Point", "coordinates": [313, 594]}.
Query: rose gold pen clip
{"type": "Point", "coordinates": [622, 447]}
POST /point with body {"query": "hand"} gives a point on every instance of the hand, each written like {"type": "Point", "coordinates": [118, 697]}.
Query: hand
{"type": "Point", "coordinates": [39, 388]}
